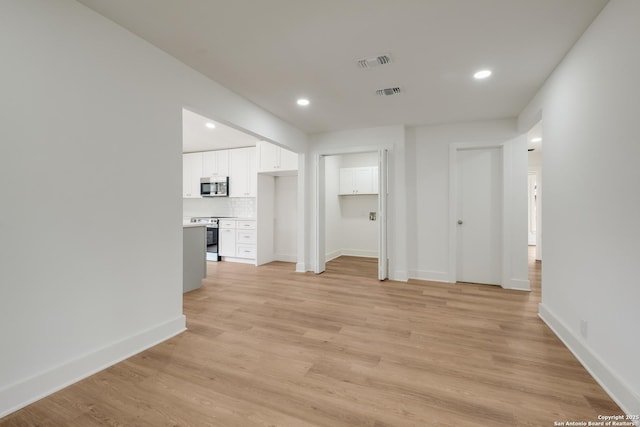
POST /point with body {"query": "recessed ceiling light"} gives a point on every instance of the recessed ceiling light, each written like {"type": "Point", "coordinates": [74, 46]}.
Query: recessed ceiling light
{"type": "Point", "coordinates": [303, 102]}
{"type": "Point", "coordinates": [210, 125]}
{"type": "Point", "coordinates": [536, 139]}
{"type": "Point", "coordinates": [482, 74]}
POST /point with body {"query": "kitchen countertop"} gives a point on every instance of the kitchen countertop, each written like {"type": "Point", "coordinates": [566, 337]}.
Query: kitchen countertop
{"type": "Point", "coordinates": [237, 218]}
{"type": "Point", "coordinates": [192, 224]}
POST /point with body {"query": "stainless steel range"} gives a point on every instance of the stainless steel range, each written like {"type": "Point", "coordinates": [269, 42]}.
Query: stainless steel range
{"type": "Point", "coordinates": [212, 236]}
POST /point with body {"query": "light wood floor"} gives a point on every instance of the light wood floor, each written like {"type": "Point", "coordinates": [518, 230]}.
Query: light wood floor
{"type": "Point", "coordinates": [270, 347]}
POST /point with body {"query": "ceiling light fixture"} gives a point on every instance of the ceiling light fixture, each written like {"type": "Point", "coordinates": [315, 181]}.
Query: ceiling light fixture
{"type": "Point", "coordinates": [303, 102]}
{"type": "Point", "coordinates": [482, 74]}
{"type": "Point", "coordinates": [210, 125]}
{"type": "Point", "coordinates": [536, 139]}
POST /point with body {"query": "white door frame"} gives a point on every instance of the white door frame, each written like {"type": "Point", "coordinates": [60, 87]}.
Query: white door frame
{"type": "Point", "coordinates": [529, 204]}
{"type": "Point", "coordinates": [383, 190]}
{"type": "Point", "coordinates": [319, 214]}
{"type": "Point", "coordinates": [505, 152]}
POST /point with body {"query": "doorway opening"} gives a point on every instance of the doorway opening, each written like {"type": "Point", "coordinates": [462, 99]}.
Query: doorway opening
{"type": "Point", "coordinates": [487, 227]}
{"type": "Point", "coordinates": [534, 159]}
{"type": "Point", "coordinates": [351, 214]}
{"type": "Point", "coordinates": [479, 208]}
{"type": "Point", "coordinates": [534, 144]}
{"type": "Point", "coordinates": [255, 220]}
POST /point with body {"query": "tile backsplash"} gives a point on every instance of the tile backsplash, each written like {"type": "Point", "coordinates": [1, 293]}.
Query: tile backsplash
{"type": "Point", "coordinates": [242, 207]}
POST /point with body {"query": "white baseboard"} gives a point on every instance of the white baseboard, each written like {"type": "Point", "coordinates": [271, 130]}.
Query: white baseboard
{"type": "Point", "coordinates": [285, 258]}
{"type": "Point", "coordinates": [40, 385]}
{"type": "Point", "coordinates": [399, 275]}
{"type": "Point", "coordinates": [616, 387]}
{"type": "Point", "coordinates": [517, 285]}
{"type": "Point", "coordinates": [332, 255]}
{"type": "Point", "coordinates": [433, 276]}
{"type": "Point", "coordinates": [301, 267]}
{"type": "Point", "coordinates": [239, 260]}
{"type": "Point", "coordinates": [360, 253]}
{"type": "Point", "coordinates": [350, 252]}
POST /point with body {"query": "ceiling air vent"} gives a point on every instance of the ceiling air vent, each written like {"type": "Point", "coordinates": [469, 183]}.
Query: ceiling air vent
{"type": "Point", "coordinates": [388, 91]}
{"type": "Point", "coordinates": [374, 61]}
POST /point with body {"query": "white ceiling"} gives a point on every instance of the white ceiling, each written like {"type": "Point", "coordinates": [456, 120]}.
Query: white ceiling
{"type": "Point", "coordinates": [274, 51]}
{"type": "Point", "coordinates": [196, 136]}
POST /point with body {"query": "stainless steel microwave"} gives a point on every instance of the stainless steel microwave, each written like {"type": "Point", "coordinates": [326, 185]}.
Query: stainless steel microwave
{"type": "Point", "coordinates": [214, 186]}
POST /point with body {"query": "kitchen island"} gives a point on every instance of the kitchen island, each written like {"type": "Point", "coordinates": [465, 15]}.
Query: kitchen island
{"type": "Point", "coordinates": [194, 259]}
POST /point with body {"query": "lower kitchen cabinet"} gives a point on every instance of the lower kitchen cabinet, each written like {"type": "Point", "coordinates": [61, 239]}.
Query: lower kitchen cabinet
{"type": "Point", "coordinates": [237, 240]}
{"type": "Point", "coordinates": [227, 241]}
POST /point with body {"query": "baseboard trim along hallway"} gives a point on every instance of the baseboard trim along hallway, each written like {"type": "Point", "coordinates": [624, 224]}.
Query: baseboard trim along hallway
{"type": "Point", "coordinates": [40, 385]}
{"type": "Point", "coordinates": [615, 386]}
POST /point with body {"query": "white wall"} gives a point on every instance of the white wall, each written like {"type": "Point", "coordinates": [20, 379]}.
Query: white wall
{"type": "Point", "coordinates": [428, 192]}
{"type": "Point", "coordinates": [591, 200]}
{"type": "Point", "coordinates": [286, 212]}
{"type": "Point", "coordinates": [362, 140]}
{"type": "Point", "coordinates": [333, 216]}
{"type": "Point", "coordinates": [348, 228]}
{"type": "Point", "coordinates": [90, 178]}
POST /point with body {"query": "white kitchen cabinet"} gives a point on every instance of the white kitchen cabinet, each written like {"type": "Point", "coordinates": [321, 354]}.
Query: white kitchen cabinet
{"type": "Point", "coordinates": [272, 158]}
{"type": "Point", "coordinates": [237, 240]}
{"type": "Point", "coordinates": [215, 163]}
{"type": "Point", "coordinates": [191, 174]}
{"type": "Point", "coordinates": [246, 251]}
{"type": "Point", "coordinates": [363, 180]}
{"type": "Point", "coordinates": [227, 241]}
{"type": "Point", "coordinates": [242, 172]}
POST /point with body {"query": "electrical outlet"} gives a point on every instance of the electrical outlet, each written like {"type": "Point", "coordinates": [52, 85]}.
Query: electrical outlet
{"type": "Point", "coordinates": [372, 216]}
{"type": "Point", "coordinates": [583, 328]}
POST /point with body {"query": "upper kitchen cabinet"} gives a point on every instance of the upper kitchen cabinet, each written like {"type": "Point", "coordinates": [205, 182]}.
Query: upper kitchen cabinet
{"type": "Point", "coordinates": [275, 160]}
{"type": "Point", "coordinates": [191, 174]}
{"type": "Point", "coordinates": [354, 181]}
{"type": "Point", "coordinates": [216, 163]}
{"type": "Point", "coordinates": [242, 172]}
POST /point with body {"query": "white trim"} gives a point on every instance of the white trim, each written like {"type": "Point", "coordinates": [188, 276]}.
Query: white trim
{"type": "Point", "coordinates": [453, 212]}
{"type": "Point", "coordinates": [301, 214]}
{"type": "Point", "coordinates": [383, 192]}
{"type": "Point", "coordinates": [517, 285]}
{"type": "Point", "coordinates": [333, 255]}
{"type": "Point", "coordinates": [350, 252]}
{"type": "Point", "coordinates": [320, 228]}
{"type": "Point", "coordinates": [40, 385]}
{"type": "Point", "coordinates": [239, 260]}
{"type": "Point", "coordinates": [301, 267]}
{"type": "Point", "coordinates": [616, 387]}
{"type": "Point", "coordinates": [432, 276]}
{"type": "Point", "coordinates": [398, 275]}
{"type": "Point", "coordinates": [506, 218]}
{"type": "Point", "coordinates": [284, 257]}
{"type": "Point", "coordinates": [360, 253]}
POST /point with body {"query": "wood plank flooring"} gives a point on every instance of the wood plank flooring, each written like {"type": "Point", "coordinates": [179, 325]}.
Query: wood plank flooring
{"type": "Point", "coordinates": [270, 347]}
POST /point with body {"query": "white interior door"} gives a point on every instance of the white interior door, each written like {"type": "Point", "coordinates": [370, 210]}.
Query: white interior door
{"type": "Point", "coordinates": [383, 258]}
{"type": "Point", "coordinates": [321, 217]}
{"type": "Point", "coordinates": [479, 215]}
